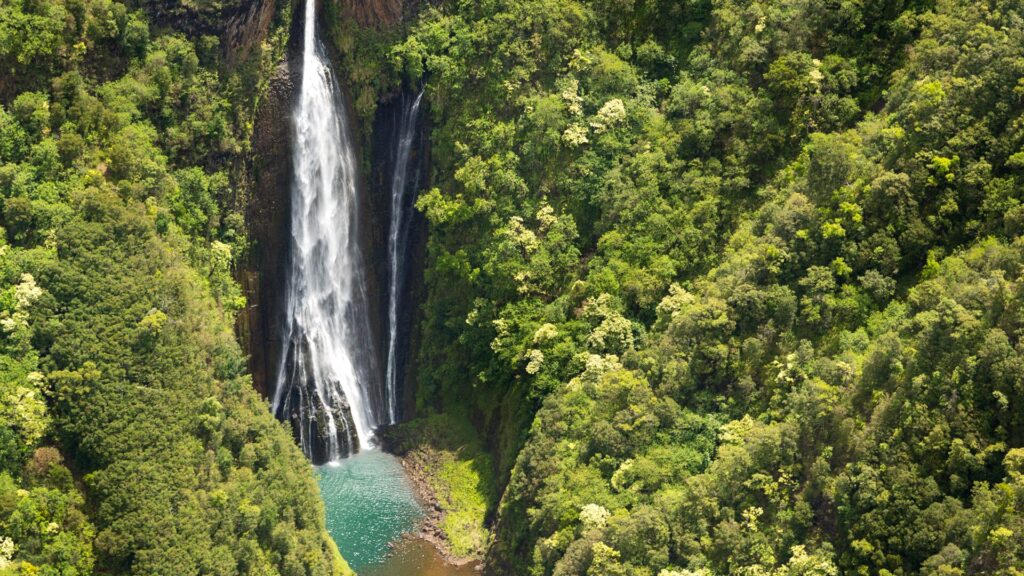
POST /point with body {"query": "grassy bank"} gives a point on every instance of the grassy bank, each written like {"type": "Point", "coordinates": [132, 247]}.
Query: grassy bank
{"type": "Point", "coordinates": [455, 478]}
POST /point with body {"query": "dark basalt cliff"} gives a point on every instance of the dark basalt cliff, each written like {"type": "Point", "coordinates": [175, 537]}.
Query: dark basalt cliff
{"type": "Point", "coordinates": [267, 216]}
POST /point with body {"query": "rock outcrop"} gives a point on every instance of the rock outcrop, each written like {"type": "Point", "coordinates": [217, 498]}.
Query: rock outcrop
{"type": "Point", "coordinates": [375, 12]}
{"type": "Point", "coordinates": [240, 24]}
{"type": "Point", "coordinates": [246, 29]}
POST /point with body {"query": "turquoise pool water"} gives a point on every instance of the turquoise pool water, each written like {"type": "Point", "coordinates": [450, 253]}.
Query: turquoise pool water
{"type": "Point", "coordinates": [369, 504]}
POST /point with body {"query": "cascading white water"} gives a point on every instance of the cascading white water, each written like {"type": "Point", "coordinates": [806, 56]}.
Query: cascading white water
{"type": "Point", "coordinates": [325, 383]}
{"type": "Point", "coordinates": [397, 242]}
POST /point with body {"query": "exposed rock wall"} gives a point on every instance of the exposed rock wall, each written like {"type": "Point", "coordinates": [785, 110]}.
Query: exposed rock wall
{"type": "Point", "coordinates": [267, 214]}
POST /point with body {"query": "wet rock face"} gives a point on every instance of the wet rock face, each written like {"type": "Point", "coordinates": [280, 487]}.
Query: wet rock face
{"type": "Point", "coordinates": [268, 215]}
{"type": "Point", "coordinates": [310, 417]}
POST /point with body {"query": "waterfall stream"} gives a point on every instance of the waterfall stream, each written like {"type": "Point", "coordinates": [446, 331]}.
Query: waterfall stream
{"type": "Point", "coordinates": [398, 242]}
{"type": "Point", "coordinates": [327, 385]}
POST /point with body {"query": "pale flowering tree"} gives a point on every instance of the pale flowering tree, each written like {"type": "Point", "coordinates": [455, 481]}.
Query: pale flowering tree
{"type": "Point", "coordinates": [594, 516]}
{"type": "Point", "coordinates": [7, 551]}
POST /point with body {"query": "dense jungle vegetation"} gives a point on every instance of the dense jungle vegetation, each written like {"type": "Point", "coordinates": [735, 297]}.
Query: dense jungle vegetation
{"type": "Point", "coordinates": [724, 287]}
{"type": "Point", "coordinates": [131, 440]}
{"type": "Point", "coordinates": [732, 287]}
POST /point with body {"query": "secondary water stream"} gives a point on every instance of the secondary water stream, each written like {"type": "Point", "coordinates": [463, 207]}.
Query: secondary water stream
{"type": "Point", "coordinates": [398, 244]}
{"type": "Point", "coordinates": [329, 386]}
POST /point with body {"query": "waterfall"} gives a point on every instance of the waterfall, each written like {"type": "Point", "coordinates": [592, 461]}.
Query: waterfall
{"type": "Point", "coordinates": [398, 231]}
{"type": "Point", "coordinates": [326, 383]}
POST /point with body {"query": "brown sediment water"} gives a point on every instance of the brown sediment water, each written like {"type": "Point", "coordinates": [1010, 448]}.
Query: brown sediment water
{"type": "Point", "coordinates": [417, 557]}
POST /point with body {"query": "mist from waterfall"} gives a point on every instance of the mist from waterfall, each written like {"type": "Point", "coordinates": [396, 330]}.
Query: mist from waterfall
{"type": "Point", "coordinates": [327, 386]}
{"type": "Point", "coordinates": [398, 240]}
